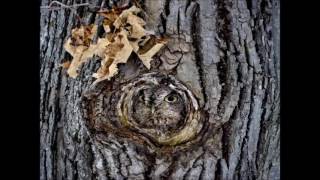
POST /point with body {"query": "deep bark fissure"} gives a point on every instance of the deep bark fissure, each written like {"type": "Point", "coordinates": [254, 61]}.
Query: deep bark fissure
{"type": "Point", "coordinates": [45, 173]}
{"type": "Point", "coordinates": [222, 74]}
{"type": "Point", "coordinates": [217, 173]}
{"type": "Point", "coordinates": [223, 32]}
{"type": "Point", "coordinates": [55, 138]}
{"type": "Point", "coordinates": [202, 170]}
{"type": "Point", "coordinates": [65, 169]}
{"type": "Point", "coordinates": [167, 7]}
{"type": "Point", "coordinates": [172, 167]}
{"type": "Point", "coordinates": [178, 22]}
{"type": "Point", "coordinates": [264, 104]}
{"type": "Point", "coordinates": [187, 5]}
{"type": "Point", "coordinates": [225, 139]}
{"type": "Point", "coordinates": [238, 167]}
{"type": "Point", "coordinates": [197, 45]}
{"type": "Point", "coordinates": [44, 51]}
{"type": "Point", "coordinates": [164, 24]}
{"type": "Point", "coordinates": [149, 170]}
{"type": "Point", "coordinates": [186, 175]}
{"type": "Point", "coordinates": [75, 171]}
{"type": "Point", "coordinates": [105, 164]}
{"type": "Point", "coordinates": [249, 5]}
{"type": "Point", "coordinates": [53, 23]}
{"type": "Point", "coordinates": [250, 119]}
{"type": "Point", "coordinates": [241, 103]}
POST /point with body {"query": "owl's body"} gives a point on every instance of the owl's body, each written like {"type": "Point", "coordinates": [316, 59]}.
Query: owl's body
{"type": "Point", "coordinates": [159, 107]}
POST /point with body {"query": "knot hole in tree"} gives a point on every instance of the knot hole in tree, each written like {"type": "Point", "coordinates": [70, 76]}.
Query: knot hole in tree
{"type": "Point", "coordinates": [153, 109]}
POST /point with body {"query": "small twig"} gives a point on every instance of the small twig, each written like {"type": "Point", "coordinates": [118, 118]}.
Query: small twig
{"type": "Point", "coordinates": [71, 7]}
{"type": "Point", "coordinates": [50, 6]}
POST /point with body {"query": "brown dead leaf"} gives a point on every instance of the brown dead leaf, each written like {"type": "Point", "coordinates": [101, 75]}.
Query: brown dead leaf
{"type": "Point", "coordinates": [117, 52]}
{"type": "Point", "coordinates": [83, 50]}
{"type": "Point", "coordinates": [133, 19]}
{"type": "Point", "coordinates": [110, 17]}
{"type": "Point", "coordinates": [128, 34]}
{"type": "Point", "coordinates": [83, 35]}
{"type": "Point", "coordinates": [123, 16]}
{"type": "Point", "coordinates": [99, 48]}
{"type": "Point", "coordinates": [147, 44]}
{"type": "Point", "coordinates": [146, 57]}
{"type": "Point", "coordinates": [107, 28]}
{"type": "Point", "coordinates": [65, 65]}
{"type": "Point", "coordinates": [137, 30]}
{"type": "Point", "coordinates": [76, 61]}
{"type": "Point", "coordinates": [148, 48]}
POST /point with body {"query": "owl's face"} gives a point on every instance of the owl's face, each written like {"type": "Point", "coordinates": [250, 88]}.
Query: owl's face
{"type": "Point", "coordinates": [158, 107]}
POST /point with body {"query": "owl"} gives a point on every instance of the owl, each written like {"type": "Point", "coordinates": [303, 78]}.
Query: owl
{"type": "Point", "coordinates": [159, 107]}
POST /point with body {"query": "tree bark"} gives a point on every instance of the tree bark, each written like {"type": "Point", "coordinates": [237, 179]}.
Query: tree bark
{"type": "Point", "coordinates": [225, 51]}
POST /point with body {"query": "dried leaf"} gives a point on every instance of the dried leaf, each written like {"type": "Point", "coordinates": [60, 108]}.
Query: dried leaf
{"type": "Point", "coordinates": [99, 48]}
{"type": "Point", "coordinates": [76, 61]}
{"type": "Point", "coordinates": [110, 17]}
{"type": "Point", "coordinates": [128, 35]}
{"type": "Point", "coordinates": [146, 44]}
{"type": "Point", "coordinates": [134, 45]}
{"type": "Point", "coordinates": [81, 53]}
{"type": "Point", "coordinates": [65, 65]}
{"type": "Point", "coordinates": [83, 35]}
{"type": "Point", "coordinates": [106, 28]}
{"type": "Point", "coordinates": [123, 16]}
{"type": "Point", "coordinates": [133, 19]}
{"type": "Point", "coordinates": [146, 57]}
{"type": "Point", "coordinates": [137, 30]}
{"type": "Point", "coordinates": [117, 52]}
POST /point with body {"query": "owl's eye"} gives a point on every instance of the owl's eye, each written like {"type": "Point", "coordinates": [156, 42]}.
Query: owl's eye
{"type": "Point", "coordinates": [171, 98]}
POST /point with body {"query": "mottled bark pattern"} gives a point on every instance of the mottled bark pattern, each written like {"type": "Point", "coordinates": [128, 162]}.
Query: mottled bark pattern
{"type": "Point", "coordinates": [225, 51]}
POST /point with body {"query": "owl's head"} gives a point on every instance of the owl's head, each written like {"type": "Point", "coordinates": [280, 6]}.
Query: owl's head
{"type": "Point", "coordinates": [159, 106]}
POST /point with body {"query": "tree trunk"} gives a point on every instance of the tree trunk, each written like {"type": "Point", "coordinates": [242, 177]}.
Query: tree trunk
{"type": "Point", "coordinates": [226, 52]}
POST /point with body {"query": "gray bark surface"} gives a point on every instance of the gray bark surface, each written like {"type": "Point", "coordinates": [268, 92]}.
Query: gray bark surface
{"type": "Point", "coordinates": [225, 51]}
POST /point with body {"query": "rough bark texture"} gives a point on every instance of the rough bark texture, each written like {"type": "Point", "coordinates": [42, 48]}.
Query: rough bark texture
{"type": "Point", "coordinates": [225, 51]}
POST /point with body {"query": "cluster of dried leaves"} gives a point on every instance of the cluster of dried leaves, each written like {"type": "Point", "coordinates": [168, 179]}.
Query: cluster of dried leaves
{"type": "Point", "coordinates": [125, 34]}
